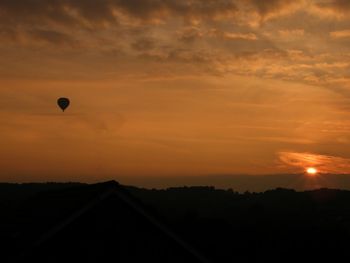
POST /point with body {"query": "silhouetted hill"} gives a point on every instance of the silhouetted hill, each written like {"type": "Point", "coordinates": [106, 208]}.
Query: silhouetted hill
{"type": "Point", "coordinates": [88, 223]}
{"type": "Point", "coordinates": [12, 191]}
{"type": "Point", "coordinates": [279, 225]}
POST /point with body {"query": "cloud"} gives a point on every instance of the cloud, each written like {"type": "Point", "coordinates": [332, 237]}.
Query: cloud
{"type": "Point", "coordinates": [102, 12]}
{"type": "Point", "coordinates": [324, 163]}
{"type": "Point", "coordinates": [143, 44]}
{"type": "Point", "coordinates": [188, 9]}
{"type": "Point", "coordinates": [8, 33]}
{"type": "Point", "coordinates": [340, 34]}
{"type": "Point", "coordinates": [338, 9]}
{"type": "Point", "coordinates": [190, 34]}
{"type": "Point", "coordinates": [38, 36]}
{"type": "Point", "coordinates": [52, 37]}
{"type": "Point", "coordinates": [273, 8]}
{"type": "Point", "coordinates": [63, 12]}
{"type": "Point", "coordinates": [232, 35]}
{"type": "Point", "coordinates": [291, 33]}
{"type": "Point", "coordinates": [337, 5]}
{"type": "Point", "coordinates": [56, 21]}
{"type": "Point", "coordinates": [216, 34]}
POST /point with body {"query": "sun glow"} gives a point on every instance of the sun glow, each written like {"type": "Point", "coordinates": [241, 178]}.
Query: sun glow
{"type": "Point", "coordinates": [311, 171]}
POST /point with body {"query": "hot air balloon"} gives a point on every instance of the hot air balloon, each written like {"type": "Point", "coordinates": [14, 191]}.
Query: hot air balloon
{"type": "Point", "coordinates": [63, 103]}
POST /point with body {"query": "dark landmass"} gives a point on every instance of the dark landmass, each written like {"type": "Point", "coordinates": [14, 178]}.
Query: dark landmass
{"type": "Point", "coordinates": [280, 225]}
{"type": "Point", "coordinates": [243, 182]}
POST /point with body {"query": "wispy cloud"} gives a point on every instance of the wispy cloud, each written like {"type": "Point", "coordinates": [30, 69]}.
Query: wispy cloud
{"type": "Point", "coordinates": [324, 163]}
{"type": "Point", "coordinates": [340, 34]}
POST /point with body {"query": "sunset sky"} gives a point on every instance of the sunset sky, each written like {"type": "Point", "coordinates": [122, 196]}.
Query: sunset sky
{"type": "Point", "coordinates": [173, 88]}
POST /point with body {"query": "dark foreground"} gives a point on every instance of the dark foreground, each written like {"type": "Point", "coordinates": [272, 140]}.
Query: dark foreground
{"type": "Point", "coordinates": [96, 223]}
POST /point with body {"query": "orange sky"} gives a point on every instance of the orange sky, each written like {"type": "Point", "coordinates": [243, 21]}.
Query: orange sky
{"type": "Point", "coordinates": [173, 87]}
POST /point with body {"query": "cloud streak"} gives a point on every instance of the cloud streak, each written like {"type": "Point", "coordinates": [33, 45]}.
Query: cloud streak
{"type": "Point", "coordinates": [340, 34]}
{"type": "Point", "coordinates": [324, 163]}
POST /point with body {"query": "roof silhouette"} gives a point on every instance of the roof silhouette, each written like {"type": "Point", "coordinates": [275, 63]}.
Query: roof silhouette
{"type": "Point", "coordinates": [91, 223]}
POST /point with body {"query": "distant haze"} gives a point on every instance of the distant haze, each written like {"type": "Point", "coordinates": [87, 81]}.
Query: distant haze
{"type": "Point", "coordinates": [243, 183]}
{"type": "Point", "coordinates": [240, 183]}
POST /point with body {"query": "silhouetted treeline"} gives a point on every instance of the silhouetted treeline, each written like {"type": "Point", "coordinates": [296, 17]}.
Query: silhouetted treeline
{"type": "Point", "coordinates": [275, 225]}
{"type": "Point", "coordinates": [280, 225]}
{"type": "Point", "coordinates": [13, 191]}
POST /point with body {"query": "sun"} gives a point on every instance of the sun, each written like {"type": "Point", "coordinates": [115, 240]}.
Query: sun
{"type": "Point", "coordinates": [311, 171]}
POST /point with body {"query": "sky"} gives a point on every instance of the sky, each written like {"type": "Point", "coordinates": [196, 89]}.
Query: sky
{"type": "Point", "coordinates": [172, 88]}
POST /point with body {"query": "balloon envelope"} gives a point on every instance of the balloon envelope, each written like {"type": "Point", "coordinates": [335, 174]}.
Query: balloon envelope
{"type": "Point", "coordinates": [63, 103]}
